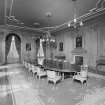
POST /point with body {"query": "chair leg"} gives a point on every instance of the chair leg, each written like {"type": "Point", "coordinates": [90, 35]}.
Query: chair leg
{"type": "Point", "coordinates": [54, 84]}
{"type": "Point", "coordinates": [39, 77]}
{"type": "Point", "coordinates": [48, 82]}
{"type": "Point", "coordinates": [82, 83]}
{"type": "Point", "coordinates": [33, 74]}
{"type": "Point", "coordinates": [62, 76]}
{"type": "Point", "coordinates": [86, 82]}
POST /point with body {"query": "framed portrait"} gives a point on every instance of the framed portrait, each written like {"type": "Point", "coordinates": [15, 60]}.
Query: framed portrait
{"type": "Point", "coordinates": [28, 46]}
{"type": "Point", "coordinates": [61, 46]}
{"type": "Point", "coordinates": [79, 42]}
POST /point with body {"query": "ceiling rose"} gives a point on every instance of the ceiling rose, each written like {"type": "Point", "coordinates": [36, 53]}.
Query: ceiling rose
{"type": "Point", "coordinates": [48, 14]}
{"type": "Point", "coordinates": [36, 24]}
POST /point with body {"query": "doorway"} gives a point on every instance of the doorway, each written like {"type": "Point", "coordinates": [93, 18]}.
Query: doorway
{"type": "Point", "coordinates": [12, 48]}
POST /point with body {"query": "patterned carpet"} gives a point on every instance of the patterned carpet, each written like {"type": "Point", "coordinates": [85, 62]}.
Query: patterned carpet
{"type": "Point", "coordinates": [5, 91]}
{"type": "Point", "coordinates": [23, 91]}
{"type": "Point", "coordinates": [95, 97]}
{"type": "Point", "coordinates": [27, 90]}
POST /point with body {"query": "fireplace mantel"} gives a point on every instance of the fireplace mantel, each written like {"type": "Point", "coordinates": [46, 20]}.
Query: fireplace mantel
{"type": "Point", "coordinates": [78, 55]}
{"type": "Point", "coordinates": [79, 51]}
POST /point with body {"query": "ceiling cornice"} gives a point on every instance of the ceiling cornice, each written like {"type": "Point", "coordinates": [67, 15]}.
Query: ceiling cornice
{"type": "Point", "coordinates": [16, 28]}
{"type": "Point", "coordinates": [92, 14]}
{"type": "Point", "coordinates": [84, 18]}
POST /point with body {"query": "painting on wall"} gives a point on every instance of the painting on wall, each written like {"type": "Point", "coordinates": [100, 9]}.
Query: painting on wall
{"type": "Point", "coordinates": [28, 46]}
{"type": "Point", "coordinates": [61, 46]}
{"type": "Point", "coordinates": [79, 42]}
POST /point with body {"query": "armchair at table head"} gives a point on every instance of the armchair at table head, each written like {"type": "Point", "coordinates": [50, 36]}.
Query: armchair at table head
{"type": "Point", "coordinates": [82, 75]}
{"type": "Point", "coordinates": [84, 70]}
{"type": "Point", "coordinates": [84, 67]}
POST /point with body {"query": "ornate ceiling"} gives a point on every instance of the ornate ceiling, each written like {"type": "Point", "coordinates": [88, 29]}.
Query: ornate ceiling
{"type": "Point", "coordinates": [33, 12]}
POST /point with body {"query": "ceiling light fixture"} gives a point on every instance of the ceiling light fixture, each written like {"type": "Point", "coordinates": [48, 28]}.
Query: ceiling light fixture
{"type": "Point", "coordinates": [48, 15]}
{"type": "Point", "coordinates": [36, 24]}
{"type": "Point", "coordinates": [75, 23]}
{"type": "Point", "coordinates": [47, 36]}
{"type": "Point", "coordinates": [12, 17]}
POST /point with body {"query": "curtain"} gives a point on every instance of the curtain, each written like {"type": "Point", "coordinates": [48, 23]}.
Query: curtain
{"type": "Point", "coordinates": [18, 46]}
{"type": "Point", "coordinates": [37, 46]}
{"type": "Point", "coordinates": [44, 48]}
{"type": "Point", "coordinates": [8, 44]}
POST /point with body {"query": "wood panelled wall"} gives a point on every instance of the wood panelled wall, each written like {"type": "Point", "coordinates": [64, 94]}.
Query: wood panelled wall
{"type": "Point", "coordinates": [93, 33]}
{"type": "Point", "coordinates": [26, 37]}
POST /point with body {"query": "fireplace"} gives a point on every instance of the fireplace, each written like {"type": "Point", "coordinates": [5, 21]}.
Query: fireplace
{"type": "Point", "coordinates": [78, 60]}
{"type": "Point", "coordinates": [79, 55]}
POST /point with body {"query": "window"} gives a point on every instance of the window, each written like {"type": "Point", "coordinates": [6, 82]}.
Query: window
{"type": "Point", "coordinates": [28, 46]}
{"type": "Point", "coordinates": [61, 46]}
{"type": "Point", "coordinates": [79, 42]}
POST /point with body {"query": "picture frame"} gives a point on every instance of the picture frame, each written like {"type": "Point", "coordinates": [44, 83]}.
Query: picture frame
{"type": "Point", "coordinates": [61, 46]}
{"type": "Point", "coordinates": [28, 46]}
{"type": "Point", "coordinates": [79, 42]}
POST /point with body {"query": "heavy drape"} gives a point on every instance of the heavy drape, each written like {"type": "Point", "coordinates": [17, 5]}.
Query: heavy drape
{"type": "Point", "coordinates": [40, 54]}
{"type": "Point", "coordinates": [37, 46]}
{"type": "Point", "coordinates": [18, 46]}
{"type": "Point", "coordinates": [44, 48]}
{"type": "Point", "coordinates": [8, 44]}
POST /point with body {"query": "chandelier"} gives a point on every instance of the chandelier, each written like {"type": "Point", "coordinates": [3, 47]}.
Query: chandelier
{"type": "Point", "coordinates": [48, 40]}
{"type": "Point", "coordinates": [75, 23]}
{"type": "Point", "coordinates": [47, 36]}
{"type": "Point", "coordinates": [11, 17]}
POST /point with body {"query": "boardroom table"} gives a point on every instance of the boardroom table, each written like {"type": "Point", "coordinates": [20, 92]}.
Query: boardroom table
{"type": "Point", "coordinates": [69, 70]}
{"type": "Point", "coordinates": [62, 71]}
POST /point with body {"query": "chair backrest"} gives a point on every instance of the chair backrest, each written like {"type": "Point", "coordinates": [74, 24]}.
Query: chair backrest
{"type": "Point", "coordinates": [84, 74]}
{"type": "Point", "coordinates": [38, 69]}
{"type": "Point", "coordinates": [66, 65]}
{"type": "Point", "coordinates": [51, 74]}
{"type": "Point", "coordinates": [84, 71]}
{"type": "Point", "coordinates": [84, 67]}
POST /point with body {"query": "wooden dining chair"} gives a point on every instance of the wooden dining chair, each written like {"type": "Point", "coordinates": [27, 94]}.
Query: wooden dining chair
{"type": "Point", "coordinates": [40, 72]}
{"type": "Point", "coordinates": [53, 77]}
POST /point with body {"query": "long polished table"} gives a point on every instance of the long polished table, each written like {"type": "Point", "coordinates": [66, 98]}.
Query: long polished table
{"type": "Point", "coordinates": [65, 69]}
{"type": "Point", "coordinates": [62, 71]}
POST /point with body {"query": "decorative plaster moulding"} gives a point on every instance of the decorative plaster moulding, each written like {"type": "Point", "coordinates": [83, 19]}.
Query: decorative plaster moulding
{"type": "Point", "coordinates": [84, 18]}
{"type": "Point", "coordinates": [92, 13]}
{"type": "Point", "coordinates": [13, 27]}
